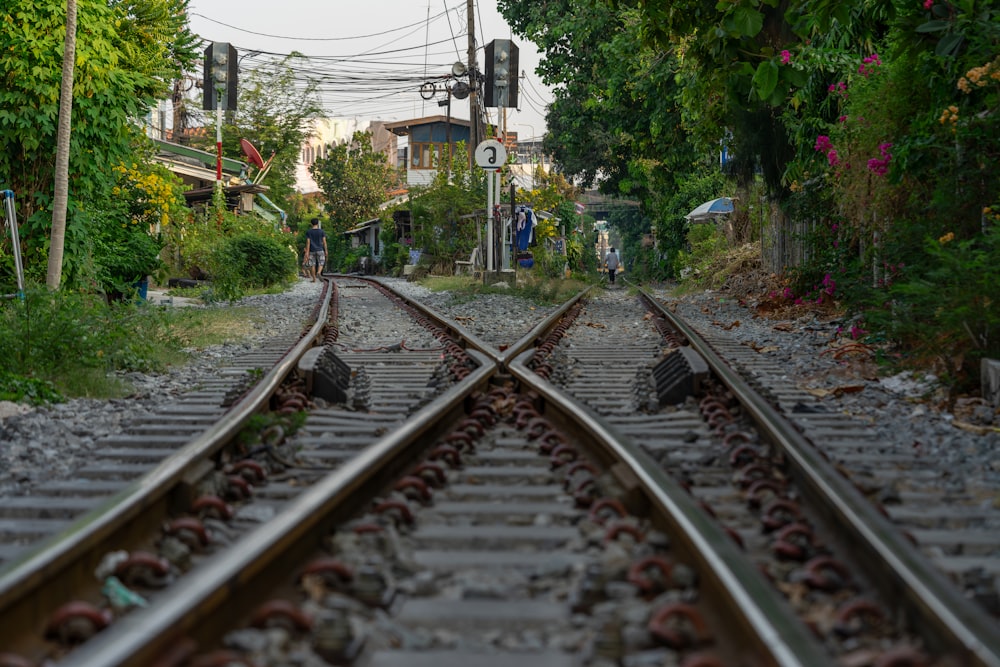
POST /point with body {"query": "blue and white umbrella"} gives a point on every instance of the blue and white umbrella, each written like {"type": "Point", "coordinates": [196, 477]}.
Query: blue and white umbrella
{"type": "Point", "coordinates": [711, 209]}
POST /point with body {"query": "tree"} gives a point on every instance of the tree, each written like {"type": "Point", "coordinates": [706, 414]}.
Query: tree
{"type": "Point", "coordinates": [58, 237]}
{"type": "Point", "coordinates": [354, 179]}
{"type": "Point", "coordinates": [617, 118]}
{"type": "Point", "coordinates": [126, 56]}
{"type": "Point", "coordinates": [275, 110]}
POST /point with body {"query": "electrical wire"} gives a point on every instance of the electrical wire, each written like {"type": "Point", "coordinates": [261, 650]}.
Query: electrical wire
{"type": "Point", "coordinates": [379, 82]}
{"type": "Point", "coordinates": [319, 39]}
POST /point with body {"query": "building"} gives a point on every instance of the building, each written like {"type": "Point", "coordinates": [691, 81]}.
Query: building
{"type": "Point", "coordinates": [528, 156]}
{"type": "Point", "coordinates": [428, 138]}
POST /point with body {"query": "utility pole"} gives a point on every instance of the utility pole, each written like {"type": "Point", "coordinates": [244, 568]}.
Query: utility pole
{"type": "Point", "coordinates": [475, 131]}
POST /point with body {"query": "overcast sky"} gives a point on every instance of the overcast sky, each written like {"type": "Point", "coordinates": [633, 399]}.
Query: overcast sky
{"type": "Point", "coordinates": [372, 55]}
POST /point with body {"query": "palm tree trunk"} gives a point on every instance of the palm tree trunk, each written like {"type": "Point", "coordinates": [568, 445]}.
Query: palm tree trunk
{"type": "Point", "coordinates": [61, 198]}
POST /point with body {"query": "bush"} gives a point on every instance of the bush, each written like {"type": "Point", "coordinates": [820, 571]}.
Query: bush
{"type": "Point", "coordinates": [707, 244]}
{"type": "Point", "coordinates": [250, 261]}
{"type": "Point", "coordinates": [944, 307]}
{"type": "Point", "coordinates": [394, 257]}
{"type": "Point", "coordinates": [72, 339]}
{"type": "Point", "coordinates": [125, 254]}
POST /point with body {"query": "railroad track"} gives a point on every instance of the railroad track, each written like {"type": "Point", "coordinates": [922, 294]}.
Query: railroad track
{"type": "Point", "coordinates": [572, 499]}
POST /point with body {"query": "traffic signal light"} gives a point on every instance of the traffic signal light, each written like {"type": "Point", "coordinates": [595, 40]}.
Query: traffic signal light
{"type": "Point", "coordinates": [501, 74]}
{"type": "Point", "coordinates": [219, 82]}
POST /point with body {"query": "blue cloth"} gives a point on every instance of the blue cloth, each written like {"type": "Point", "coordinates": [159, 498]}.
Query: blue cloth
{"type": "Point", "coordinates": [524, 226]}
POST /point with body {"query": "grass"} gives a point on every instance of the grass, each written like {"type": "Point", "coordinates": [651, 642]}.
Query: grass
{"type": "Point", "coordinates": [199, 328]}
{"type": "Point", "coordinates": [206, 294]}
{"type": "Point", "coordinates": [66, 344]}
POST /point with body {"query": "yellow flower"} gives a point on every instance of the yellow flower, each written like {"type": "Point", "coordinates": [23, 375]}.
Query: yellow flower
{"type": "Point", "coordinates": [987, 209]}
{"type": "Point", "coordinates": [947, 238]}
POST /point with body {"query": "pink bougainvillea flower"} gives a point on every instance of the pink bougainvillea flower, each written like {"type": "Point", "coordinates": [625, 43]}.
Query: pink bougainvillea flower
{"type": "Point", "coordinates": [869, 64]}
{"type": "Point", "coordinates": [823, 143]}
{"type": "Point", "coordinates": [785, 57]}
{"type": "Point", "coordinates": [881, 166]}
{"type": "Point", "coordinates": [928, 4]}
{"type": "Point", "coordinates": [832, 158]}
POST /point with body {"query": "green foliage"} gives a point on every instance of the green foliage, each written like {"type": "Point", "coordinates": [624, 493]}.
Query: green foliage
{"type": "Point", "coordinates": [706, 245]}
{"type": "Point", "coordinates": [394, 255]}
{"type": "Point", "coordinates": [350, 260]}
{"type": "Point", "coordinates": [57, 336]}
{"type": "Point", "coordinates": [250, 261]}
{"type": "Point", "coordinates": [236, 252]}
{"type": "Point", "coordinates": [127, 53]}
{"type": "Point", "coordinates": [22, 389]}
{"type": "Point", "coordinates": [438, 214]}
{"type": "Point", "coordinates": [548, 264]}
{"type": "Point", "coordinates": [670, 227]}
{"type": "Point", "coordinates": [354, 179]}
{"type": "Point", "coordinates": [124, 253]}
{"type": "Point", "coordinates": [953, 286]}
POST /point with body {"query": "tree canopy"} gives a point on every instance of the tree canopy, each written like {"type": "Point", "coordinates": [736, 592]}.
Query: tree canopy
{"type": "Point", "coordinates": [354, 179]}
{"type": "Point", "coordinates": [127, 54]}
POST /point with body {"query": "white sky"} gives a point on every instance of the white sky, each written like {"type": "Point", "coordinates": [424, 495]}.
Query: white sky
{"type": "Point", "coordinates": [372, 55]}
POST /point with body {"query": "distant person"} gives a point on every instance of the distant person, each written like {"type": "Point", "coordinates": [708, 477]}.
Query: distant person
{"type": "Point", "coordinates": [611, 262]}
{"type": "Point", "coordinates": [316, 249]}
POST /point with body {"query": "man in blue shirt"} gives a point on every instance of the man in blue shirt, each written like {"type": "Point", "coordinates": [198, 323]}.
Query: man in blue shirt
{"type": "Point", "coordinates": [316, 249]}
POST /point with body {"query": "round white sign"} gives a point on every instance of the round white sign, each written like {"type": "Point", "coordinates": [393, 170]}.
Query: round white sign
{"type": "Point", "coordinates": [491, 154]}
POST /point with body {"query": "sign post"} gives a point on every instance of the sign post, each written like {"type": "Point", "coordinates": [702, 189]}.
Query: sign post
{"type": "Point", "coordinates": [491, 156]}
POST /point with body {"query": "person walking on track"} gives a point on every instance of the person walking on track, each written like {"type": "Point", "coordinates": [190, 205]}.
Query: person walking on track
{"type": "Point", "coordinates": [611, 262]}
{"type": "Point", "coordinates": [316, 249]}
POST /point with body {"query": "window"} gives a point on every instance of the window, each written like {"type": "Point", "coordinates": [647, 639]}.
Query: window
{"type": "Point", "coordinates": [426, 155]}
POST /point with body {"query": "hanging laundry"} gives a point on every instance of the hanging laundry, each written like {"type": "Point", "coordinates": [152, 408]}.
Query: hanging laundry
{"type": "Point", "coordinates": [525, 226]}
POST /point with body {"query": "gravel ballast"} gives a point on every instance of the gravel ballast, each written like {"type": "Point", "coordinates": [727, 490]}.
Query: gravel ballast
{"type": "Point", "coordinates": [50, 442]}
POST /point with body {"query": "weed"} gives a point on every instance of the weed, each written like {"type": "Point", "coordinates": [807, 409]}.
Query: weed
{"type": "Point", "coordinates": [27, 390]}
{"type": "Point", "coordinates": [78, 342]}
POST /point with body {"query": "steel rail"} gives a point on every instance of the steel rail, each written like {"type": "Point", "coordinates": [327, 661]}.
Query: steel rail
{"type": "Point", "coordinates": [501, 357]}
{"type": "Point", "coordinates": [782, 639]}
{"type": "Point", "coordinates": [37, 580]}
{"type": "Point", "coordinates": [190, 607]}
{"type": "Point", "coordinates": [936, 608]}
{"type": "Point", "coordinates": [540, 330]}
{"type": "Point", "coordinates": [456, 330]}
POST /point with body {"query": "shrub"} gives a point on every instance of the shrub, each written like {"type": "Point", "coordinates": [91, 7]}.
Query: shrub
{"type": "Point", "coordinates": [72, 339]}
{"type": "Point", "coordinates": [250, 261]}
{"type": "Point", "coordinates": [944, 306]}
